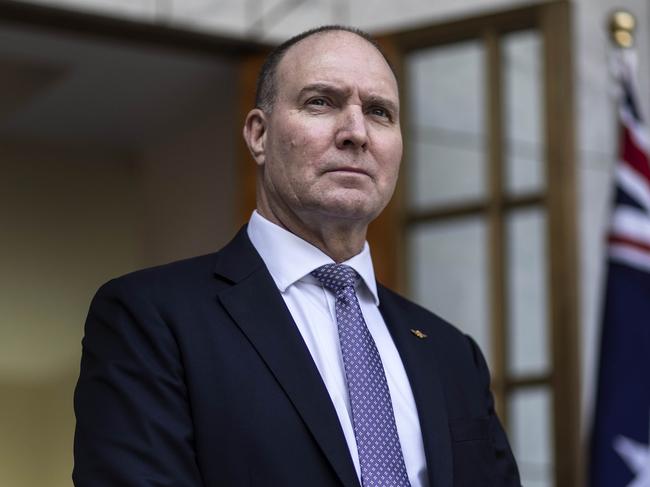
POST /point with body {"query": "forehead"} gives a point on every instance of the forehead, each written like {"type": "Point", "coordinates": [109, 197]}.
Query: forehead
{"type": "Point", "coordinates": [338, 57]}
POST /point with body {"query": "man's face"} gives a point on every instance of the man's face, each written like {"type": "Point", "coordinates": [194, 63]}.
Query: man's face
{"type": "Point", "coordinates": [332, 144]}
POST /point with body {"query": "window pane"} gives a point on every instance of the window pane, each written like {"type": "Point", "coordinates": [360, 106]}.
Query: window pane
{"type": "Point", "coordinates": [528, 349]}
{"type": "Point", "coordinates": [523, 111]}
{"type": "Point", "coordinates": [446, 129]}
{"type": "Point", "coordinates": [447, 274]}
{"type": "Point", "coordinates": [531, 435]}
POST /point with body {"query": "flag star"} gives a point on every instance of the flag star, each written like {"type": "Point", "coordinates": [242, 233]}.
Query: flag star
{"type": "Point", "coordinates": [637, 457]}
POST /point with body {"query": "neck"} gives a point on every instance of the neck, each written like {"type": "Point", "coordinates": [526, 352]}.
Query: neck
{"type": "Point", "coordinates": [338, 239]}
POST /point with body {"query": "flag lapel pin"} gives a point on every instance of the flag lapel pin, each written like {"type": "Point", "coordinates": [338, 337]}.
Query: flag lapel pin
{"type": "Point", "coordinates": [418, 333]}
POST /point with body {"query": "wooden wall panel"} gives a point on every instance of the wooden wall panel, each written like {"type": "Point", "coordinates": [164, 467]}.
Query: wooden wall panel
{"type": "Point", "coordinates": [248, 69]}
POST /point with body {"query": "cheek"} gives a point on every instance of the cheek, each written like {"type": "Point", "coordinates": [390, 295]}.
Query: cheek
{"type": "Point", "coordinates": [291, 169]}
{"type": "Point", "coordinates": [304, 151]}
{"type": "Point", "coordinates": [291, 146]}
{"type": "Point", "coordinates": [309, 136]}
{"type": "Point", "coordinates": [390, 155]}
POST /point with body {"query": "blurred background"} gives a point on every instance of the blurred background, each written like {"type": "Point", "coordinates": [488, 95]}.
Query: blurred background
{"type": "Point", "coordinates": [120, 148]}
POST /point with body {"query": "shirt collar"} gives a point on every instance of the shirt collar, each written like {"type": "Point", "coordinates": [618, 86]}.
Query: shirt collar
{"type": "Point", "coordinates": [289, 258]}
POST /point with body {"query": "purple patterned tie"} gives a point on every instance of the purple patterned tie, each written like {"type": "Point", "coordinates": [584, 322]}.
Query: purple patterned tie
{"type": "Point", "coordinates": [380, 453]}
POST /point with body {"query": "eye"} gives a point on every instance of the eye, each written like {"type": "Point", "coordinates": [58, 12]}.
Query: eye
{"type": "Point", "coordinates": [321, 102]}
{"type": "Point", "coordinates": [379, 112]}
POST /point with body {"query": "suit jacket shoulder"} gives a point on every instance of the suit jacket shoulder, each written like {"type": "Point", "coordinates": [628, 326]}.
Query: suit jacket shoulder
{"type": "Point", "coordinates": [167, 284]}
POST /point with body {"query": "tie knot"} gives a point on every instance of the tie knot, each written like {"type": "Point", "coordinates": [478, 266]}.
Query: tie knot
{"type": "Point", "coordinates": [336, 276]}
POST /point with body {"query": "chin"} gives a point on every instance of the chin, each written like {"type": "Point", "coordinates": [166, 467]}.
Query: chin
{"type": "Point", "coordinates": [346, 210]}
{"type": "Point", "coordinates": [362, 205]}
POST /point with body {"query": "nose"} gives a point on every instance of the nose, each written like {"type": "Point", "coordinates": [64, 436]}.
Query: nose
{"type": "Point", "coordinates": [352, 132]}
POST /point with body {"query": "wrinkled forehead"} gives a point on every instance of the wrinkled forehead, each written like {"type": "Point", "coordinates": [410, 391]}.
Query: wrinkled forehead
{"type": "Point", "coordinates": [336, 56]}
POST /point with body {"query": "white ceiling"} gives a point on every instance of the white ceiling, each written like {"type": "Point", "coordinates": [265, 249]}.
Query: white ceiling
{"type": "Point", "coordinates": [273, 20]}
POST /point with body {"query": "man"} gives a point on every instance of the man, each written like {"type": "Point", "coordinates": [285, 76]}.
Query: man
{"type": "Point", "coordinates": [279, 361]}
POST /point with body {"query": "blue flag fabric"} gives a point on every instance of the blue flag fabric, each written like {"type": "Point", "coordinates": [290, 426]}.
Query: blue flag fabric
{"type": "Point", "coordinates": [620, 446]}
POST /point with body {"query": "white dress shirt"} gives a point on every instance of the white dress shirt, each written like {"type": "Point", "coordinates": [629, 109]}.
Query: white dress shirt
{"type": "Point", "coordinates": [290, 261]}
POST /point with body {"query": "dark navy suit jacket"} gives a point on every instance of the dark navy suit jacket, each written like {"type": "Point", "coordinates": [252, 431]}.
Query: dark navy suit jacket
{"type": "Point", "coordinates": [194, 374]}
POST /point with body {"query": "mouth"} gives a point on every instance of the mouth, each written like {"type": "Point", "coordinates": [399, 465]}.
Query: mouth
{"type": "Point", "coordinates": [349, 170]}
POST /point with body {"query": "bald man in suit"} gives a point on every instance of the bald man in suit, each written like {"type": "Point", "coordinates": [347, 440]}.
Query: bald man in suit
{"type": "Point", "coordinates": [251, 366]}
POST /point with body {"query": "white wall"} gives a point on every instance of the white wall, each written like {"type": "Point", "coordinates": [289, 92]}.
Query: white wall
{"type": "Point", "coordinates": [66, 226]}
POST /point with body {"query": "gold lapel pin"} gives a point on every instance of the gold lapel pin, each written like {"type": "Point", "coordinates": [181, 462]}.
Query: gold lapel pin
{"type": "Point", "coordinates": [418, 333]}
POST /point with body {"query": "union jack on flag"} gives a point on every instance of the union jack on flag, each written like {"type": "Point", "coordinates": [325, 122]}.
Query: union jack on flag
{"type": "Point", "coordinates": [629, 238]}
{"type": "Point", "coordinates": [620, 446]}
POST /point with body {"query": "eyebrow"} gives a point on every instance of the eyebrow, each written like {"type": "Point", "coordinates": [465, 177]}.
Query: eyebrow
{"type": "Point", "coordinates": [384, 102]}
{"type": "Point", "coordinates": [323, 88]}
{"type": "Point", "coordinates": [327, 88]}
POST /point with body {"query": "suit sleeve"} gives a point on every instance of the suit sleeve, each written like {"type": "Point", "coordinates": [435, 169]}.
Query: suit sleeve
{"type": "Point", "coordinates": [134, 426]}
{"type": "Point", "coordinates": [507, 473]}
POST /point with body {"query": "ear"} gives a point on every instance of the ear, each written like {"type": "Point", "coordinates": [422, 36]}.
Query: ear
{"type": "Point", "coordinates": [255, 134]}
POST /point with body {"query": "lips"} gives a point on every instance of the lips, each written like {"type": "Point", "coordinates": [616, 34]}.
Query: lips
{"type": "Point", "coordinates": [348, 169]}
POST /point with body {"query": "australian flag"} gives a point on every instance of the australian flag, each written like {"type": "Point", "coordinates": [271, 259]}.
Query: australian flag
{"type": "Point", "coordinates": [620, 447]}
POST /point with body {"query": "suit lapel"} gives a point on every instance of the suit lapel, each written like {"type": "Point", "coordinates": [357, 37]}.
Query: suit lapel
{"type": "Point", "coordinates": [419, 359]}
{"type": "Point", "coordinates": [256, 306]}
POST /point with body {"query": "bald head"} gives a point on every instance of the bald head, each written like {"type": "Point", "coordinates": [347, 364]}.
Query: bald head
{"type": "Point", "coordinates": [267, 89]}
